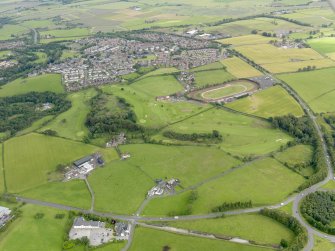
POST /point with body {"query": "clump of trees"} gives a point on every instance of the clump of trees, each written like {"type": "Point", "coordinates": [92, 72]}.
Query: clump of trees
{"type": "Point", "coordinates": [307, 68]}
{"type": "Point", "coordinates": [214, 137]}
{"type": "Point", "coordinates": [19, 112]}
{"type": "Point", "coordinates": [319, 210]}
{"type": "Point", "coordinates": [302, 129]}
{"type": "Point", "coordinates": [232, 205]}
{"type": "Point", "coordinates": [293, 224]}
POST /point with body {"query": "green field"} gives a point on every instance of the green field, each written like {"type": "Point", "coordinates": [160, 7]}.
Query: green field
{"type": "Point", "coordinates": [323, 45]}
{"type": "Point", "coordinates": [239, 68]}
{"type": "Point", "coordinates": [271, 102]}
{"type": "Point", "coordinates": [253, 227]}
{"type": "Point", "coordinates": [315, 87]}
{"type": "Point", "coordinates": [5, 54]}
{"type": "Point", "coordinates": [229, 89]}
{"type": "Point", "coordinates": [246, 40]}
{"type": "Point", "coordinates": [39, 155]}
{"type": "Point", "coordinates": [28, 233]}
{"type": "Point", "coordinates": [10, 31]}
{"type": "Point", "coordinates": [72, 193]}
{"type": "Point", "coordinates": [152, 113]}
{"type": "Point", "coordinates": [251, 182]}
{"type": "Point", "coordinates": [205, 78]}
{"type": "Point", "coordinates": [41, 83]}
{"type": "Point", "coordinates": [146, 239]}
{"type": "Point", "coordinates": [161, 71]}
{"type": "Point", "coordinates": [71, 124]}
{"type": "Point", "coordinates": [212, 66]}
{"type": "Point", "coordinates": [296, 155]}
{"type": "Point", "coordinates": [242, 135]}
{"type": "Point", "coordinates": [64, 33]}
{"type": "Point", "coordinates": [42, 57]}
{"type": "Point", "coordinates": [36, 125]}
{"type": "Point", "coordinates": [2, 181]}
{"type": "Point", "coordinates": [117, 181]}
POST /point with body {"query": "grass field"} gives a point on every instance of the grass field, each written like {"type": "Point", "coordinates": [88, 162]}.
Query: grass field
{"type": "Point", "coordinates": [39, 155]}
{"type": "Point", "coordinates": [35, 125]}
{"type": "Point", "coordinates": [152, 113]}
{"type": "Point", "coordinates": [315, 87]}
{"type": "Point", "coordinates": [152, 240]}
{"type": "Point", "coordinates": [42, 57]}
{"type": "Point", "coordinates": [212, 66]}
{"type": "Point", "coordinates": [321, 244]}
{"type": "Point", "coordinates": [41, 83]}
{"type": "Point", "coordinates": [28, 233]}
{"type": "Point", "coordinates": [323, 45]}
{"type": "Point", "coordinates": [204, 78]}
{"type": "Point", "coordinates": [5, 54]}
{"type": "Point", "coordinates": [161, 71]}
{"type": "Point", "coordinates": [75, 32]}
{"type": "Point", "coordinates": [2, 181]}
{"type": "Point", "coordinates": [230, 89]}
{"type": "Point", "coordinates": [242, 135]}
{"type": "Point", "coordinates": [73, 193]}
{"type": "Point", "coordinates": [71, 124]}
{"type": "Point", "coordinates": [69, 54]}
{"type": "Point", "coordinates": [252, 182]}
{"type": "Point", "coordinates": [253, 227]}
{"type": "Point", "coordinates": [158, 85]}
{"type": "Point", "coordinates": [271, 102]}
{"type": "Point", "coordinates": [127, 182]}
{"type": "Point", "coordinates": [296, 155]}
{"type": "Point", "coordinates": [10, 31]}
{"type": "Point", "coordinates": [239, 68]}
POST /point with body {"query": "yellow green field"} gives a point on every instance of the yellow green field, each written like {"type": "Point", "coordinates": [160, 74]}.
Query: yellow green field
{"type": "Point", "coordinates": [239, 68]}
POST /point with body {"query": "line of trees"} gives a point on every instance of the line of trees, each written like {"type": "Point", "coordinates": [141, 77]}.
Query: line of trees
{"type": "Point", "coordinates": [319, 210]}
{"type": "Point", "coordinates": [302, 129]}
{"type": "Point", "coordinates": [232, 205]}
{"type": "Point", "coordinates": [293, 224]}
{"type": "Point", "coordinates": [214, 137]}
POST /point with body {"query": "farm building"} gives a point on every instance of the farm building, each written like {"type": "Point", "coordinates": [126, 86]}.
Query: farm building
{"type": "Point", "coordinates": [80, 222]}
{"type": "Point", "coordinates": [122, 230]}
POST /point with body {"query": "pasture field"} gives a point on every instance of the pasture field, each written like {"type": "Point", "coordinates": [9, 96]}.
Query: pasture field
{"type": "Point", "coordinates": [10, 31]}
{"type": "Point", "coordinates": [299, 154]}
{"type": "Point", "coordinates": [330, 185]}
{"type": "Point", "coordinates": [69, 54]}
{"type": "Point", "coordinates": [315, 87]}
{"type": "Point", "coordinates": [146, 239]}
{"type": "Point", "coordinates": [251, 182]}
{"type": "Point", "coordinates": [72, 193]}
{"type": "Point", "coordinates": [64, 33]}
{"type": "Point", "coordinates": [229, 89]}
{"type": "Point", "coordinates": [239, 68]}
{"type": "Point", "coordinates": [271, 102]}
{"type": "Point", "coordinates": [42, 57]}
{"type": "Point", "coordinates": [204, 78]}
{"type": "Point", "coordinates": [268, 54]}
{"type": "Point", "coordinates": [41, 83]}
{"type": "Point", "coordinates": [39, 23]}
{"type": "Point", "coordinates": [71, 123]}
{"type": "Point", "coordinates": [35, 125]}
{"type": "Point", "coordinates": [2, 178]}
{"type": "Point", "coordinates": [5, 54]}
{"type": "Point", "coordinates": [158, 85]}
{"type": "Point", "coordinates": [190, 164]}
{"type": "Point", "coordinates": [242, 135]}
{"type": "Point", "coordinates": [296, 66]}
{"type": "Point", "coordinates": [253, 227]}
{"type": "Point", "coordinates": [315, 16]}
{"type": "Point", "coordinates": [212, 66]}
{"type": "Point", "coordinates": [39, 156]}
{"type": "Point", "coordinates": [152, 113]}
{"type": "Point", "coordinates": [246, 40]}
{"type": "Point", "coordinates": [323, 45]}
{"type": "Point", "coordinates": [245, 27]}
{"type": "Point", "coordinates": [29, 233]}
{"type": "Point", "coordinates": [321, 244]}
{"type": "Point", "coordinates": [119, 187]}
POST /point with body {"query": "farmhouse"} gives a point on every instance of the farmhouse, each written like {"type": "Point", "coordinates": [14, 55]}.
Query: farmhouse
{"type": "Point", "coordinates": [80, 222]}
{"type": "Point", "coordinates": [4, 215]}
{"type": "Point", "coordinates": [85, 163]}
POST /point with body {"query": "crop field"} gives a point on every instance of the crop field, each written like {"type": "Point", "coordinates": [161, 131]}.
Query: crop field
{"type": "Point", "coordinates": [158, 86]}
{"type": "Point", "coordinates": [119, 187]}
{"type": "Point", "coordinates": [29, 233]}
{"type": "Point", "coordinates": [146, 239]}
{"type": "Point", "coordinates": [271, 102]}
{"type": "Point", "coordinates": [239, 68]}
{"type": "Point", "coordinates": [253, 227]}
{"type": "Point", "coordinates": [296, 66]}
{"type": "Point", "coordinates": [242, 135]}
{"type": "Point", "coordinates": [41, 83]}
{"type": "Point", "coordinates": [204, 78]}
{"type": "Point", "coordinates": [246, 40]}
{"type": "Point", "coordinates": [71, 124]}
{"type": "Point", "coordinates": [72, 193]}
{"type": "Point", "coordinates": [39, 155]}
{"type": "Point", "coordinates": [315, 87]}
{"type": "Point", "coordinates": [251, 182]}
{"type": "Point", "coordinates": [152, 113]}
{"type": "Point", "coordinates": [269, 54]}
